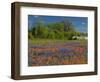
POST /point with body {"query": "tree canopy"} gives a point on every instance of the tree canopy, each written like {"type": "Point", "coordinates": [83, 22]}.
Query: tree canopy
{"type": "Point", "coordinates": [55, 30]}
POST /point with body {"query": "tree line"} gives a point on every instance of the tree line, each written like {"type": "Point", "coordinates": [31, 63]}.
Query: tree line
{"type": "Point", "coordinates": [54, 30]}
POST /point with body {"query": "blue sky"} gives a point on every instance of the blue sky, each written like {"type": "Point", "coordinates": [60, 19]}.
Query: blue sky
{"type": "Point", "coordinates": [80, 23]}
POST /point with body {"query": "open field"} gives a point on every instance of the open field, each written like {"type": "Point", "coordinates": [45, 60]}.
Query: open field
{"type": "Point", "coordinates": [56, 52]}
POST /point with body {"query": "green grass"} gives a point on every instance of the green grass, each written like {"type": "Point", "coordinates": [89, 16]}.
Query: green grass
{"type": "Point", "coordinates": [50, 41]}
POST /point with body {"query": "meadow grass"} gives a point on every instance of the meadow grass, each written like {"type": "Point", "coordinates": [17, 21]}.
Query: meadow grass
{"type": "Point", "coordinates": [49, 41]}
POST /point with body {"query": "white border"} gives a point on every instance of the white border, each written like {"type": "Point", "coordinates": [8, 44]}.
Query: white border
{"type": "Point", "coordinates": [25, 70]}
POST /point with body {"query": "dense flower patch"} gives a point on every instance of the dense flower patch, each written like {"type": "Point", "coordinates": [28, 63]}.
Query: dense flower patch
{"type": "Point", "coordinates": [57, 54]}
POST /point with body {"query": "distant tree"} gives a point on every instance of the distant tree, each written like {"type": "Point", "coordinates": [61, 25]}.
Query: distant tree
{"type": "Point", "coordinates": [51, 35]}
{"type": "Point", "coordinates": [30, 36]}
{"type": "Point", "coordinates": [83, 34]}
{"type": "Point", "coordinates": [69, 35]}
{"type": "Point", "coordinates": [45, 32]}
{"type": "Point", "coordinates": [39, 29]}
{"type": "Point", "coordinates": [59, 26]}
{"type": "Point", "coordinates": [68, 25]}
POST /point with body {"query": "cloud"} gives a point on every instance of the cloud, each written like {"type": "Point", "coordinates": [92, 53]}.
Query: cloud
{"type": "Point", "coordinates": [36, 16]}
{"type": "Point", "coordinates": [83, 23]}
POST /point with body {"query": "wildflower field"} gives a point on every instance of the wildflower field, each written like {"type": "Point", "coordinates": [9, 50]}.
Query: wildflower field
{"type": "Point", "coordinates": [57, 40]}
{"type": "Point", "coordinates": [57, 52]}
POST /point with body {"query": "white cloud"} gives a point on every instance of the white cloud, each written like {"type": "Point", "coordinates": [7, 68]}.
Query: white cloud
{"type": "Point", "coordinates": [83, 23]}
{"type": "Point", "coordinates": [36, 16]}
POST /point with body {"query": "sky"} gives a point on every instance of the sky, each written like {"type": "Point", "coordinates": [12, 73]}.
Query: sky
{"type": "Point", "coordinates": [80, 23]}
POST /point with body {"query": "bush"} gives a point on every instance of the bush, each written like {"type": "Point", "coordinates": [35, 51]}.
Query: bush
{"type": "Point", "coordinates": [30, 36]}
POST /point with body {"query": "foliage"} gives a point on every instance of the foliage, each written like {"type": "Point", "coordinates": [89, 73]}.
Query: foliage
{"type": "Point", "coordinates": [56, 30]}
{"type": "Point", "coordinates": [30, 36]}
